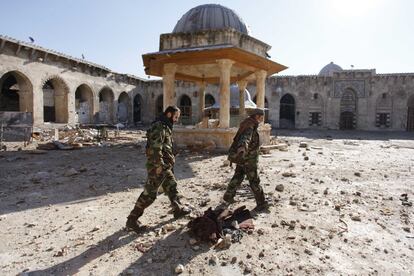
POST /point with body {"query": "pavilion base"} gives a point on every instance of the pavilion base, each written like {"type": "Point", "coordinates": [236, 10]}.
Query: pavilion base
{"type": "Point", "coordinates": [212, 139]}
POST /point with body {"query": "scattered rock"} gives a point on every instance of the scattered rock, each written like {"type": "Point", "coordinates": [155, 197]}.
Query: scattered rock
{"type": "Point", "coordinates": [179, 269]}
{"type": "Point", "coordinates": [247, 269]}
{"type": "Point", "coordinates": [96, 228]}
{"type": "Point", "coordinates": [213, 260]}
{"type": "Point", "coordinates": [303, 145]}
{"type": "Point", "coordinates": [226, 163]}
{"type": "Point", "coordinates": [261, 254]}
{"type": "Point", "coordinates": [288, 174]}
{"type": "Point", "coordinates": [280, 188]}
{"type": "Point", "coordinates": [307, 251]}
{"type": "Point", "coordinates": [355, 217]}
{"type": "Point", "coordinates": [61, 252]}
{"type": "Point", "coordinates": [70, 172]}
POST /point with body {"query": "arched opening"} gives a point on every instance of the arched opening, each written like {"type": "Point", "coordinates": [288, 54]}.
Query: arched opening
{"type": "Point", "coordinates": [347, 119]}
{"type": "Point", "coordinates": [55, 101]}
{"type": "Point", "coordinates": [9, 97]}
{"type": "Point", "coordinates": [209, 100]}
{"type": "Point", "coordinates": [287, 112]}
{"type": "Point", "coordinates": [410, 115]}
{"type": "Point", "coordinates": [137, 108]}
{"type": "Point", "coordinates": [266, 118]}
{"type": "Point", "coordinates": [185, 106]}
{"type": "Point", "coordinates": [16, 92]}
{"type": "Point", "coordinates": [159, 106]}
{"type": "Point", "coordinates": [84, 104]}
{"type": "Point", "coordinates": [123, 108]}
{"type": "Point", "coordinates": [106, 106]}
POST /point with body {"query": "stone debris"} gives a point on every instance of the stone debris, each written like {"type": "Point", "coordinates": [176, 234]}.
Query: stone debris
{"type": "Point", "coordinates": [71, 172]}
{"type": "Point", "coordinates": [405, 201]}
{"type": "Point", "coordinates": [280, 188]}
{"type": "Point", "coordinates": [288, 174]}
{"type": "Point", "coordinates": [361, 220]}
{"type": "Point", "coordinates": [179, 269]}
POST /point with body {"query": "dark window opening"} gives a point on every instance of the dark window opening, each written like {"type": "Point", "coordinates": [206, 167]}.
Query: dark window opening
{"type": "Point", "coordinates": [383, 120]}
{"type": "Point", "coordinates": [315, 118]}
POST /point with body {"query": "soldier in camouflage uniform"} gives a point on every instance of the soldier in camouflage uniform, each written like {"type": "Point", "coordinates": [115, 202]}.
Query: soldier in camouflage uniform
{"type": "Point", "coordinates": [244, 151]}
{"type": "Point", "coordinates": [160, 163]}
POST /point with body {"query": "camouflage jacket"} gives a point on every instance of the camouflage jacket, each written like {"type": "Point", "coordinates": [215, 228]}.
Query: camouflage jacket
{"type": "Point", "coordinates": [159, 147]}
{"type": "Point", "coordinates": [247, 137]}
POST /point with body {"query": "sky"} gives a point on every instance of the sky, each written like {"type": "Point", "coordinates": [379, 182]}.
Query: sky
{"type": "Point", "coordinates": [305, 35]}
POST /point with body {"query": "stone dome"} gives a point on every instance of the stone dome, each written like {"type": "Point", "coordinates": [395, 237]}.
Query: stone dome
{"type": "Point", "coordinates": [329, 69]}
{"type": "Point", "coordinates": [209, 17]}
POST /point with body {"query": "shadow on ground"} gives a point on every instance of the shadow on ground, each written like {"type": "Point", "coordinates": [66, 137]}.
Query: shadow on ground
{"type": "Point", "coordinates": [30, 181]}
{"type": "Point", "coordinates": [111, 243]}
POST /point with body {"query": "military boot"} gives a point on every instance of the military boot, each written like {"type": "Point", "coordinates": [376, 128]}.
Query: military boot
{"type": "Point", "coordinates": [229, 199]}
{"type": "Point", "coordinates": [179, 210]}
{"type": "Point", "coordinates": [261, 202]}
{"type": "Point", "coordinates": [132, 223]}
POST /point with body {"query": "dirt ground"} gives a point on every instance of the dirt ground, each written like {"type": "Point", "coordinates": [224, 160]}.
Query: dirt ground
{"type": "Point", "coordinates": [341, 211]}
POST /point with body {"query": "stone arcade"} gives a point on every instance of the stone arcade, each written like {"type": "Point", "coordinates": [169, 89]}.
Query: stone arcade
{"type": "Point", "coordinates": [58, 89]}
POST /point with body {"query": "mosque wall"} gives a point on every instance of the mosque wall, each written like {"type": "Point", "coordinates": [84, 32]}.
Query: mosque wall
{"type": "Point", "coordinates": [81, 92]}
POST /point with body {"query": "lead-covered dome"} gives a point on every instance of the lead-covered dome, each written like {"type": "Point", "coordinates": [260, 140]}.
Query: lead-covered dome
{"type": "Point", "coordinates": [209, 17]}
{"type": "Point", "coordinates": [329, 69]}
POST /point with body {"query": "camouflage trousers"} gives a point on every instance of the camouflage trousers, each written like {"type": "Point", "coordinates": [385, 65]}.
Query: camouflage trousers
{"type": "Point", "coordinates": [248, 169]}
{"type": "Point", "coordinates": [166, 179]}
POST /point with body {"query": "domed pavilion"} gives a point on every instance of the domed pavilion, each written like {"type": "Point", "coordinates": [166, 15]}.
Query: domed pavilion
{"type": "Point", "coordinates": [211, 44]}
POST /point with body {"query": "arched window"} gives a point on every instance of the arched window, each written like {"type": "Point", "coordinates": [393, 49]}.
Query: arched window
{"type": "Point", "coordinates": [55, 101]}
{"type": "Point", "coordinates": [185, 106]}
{"type": "Point", "coordinates": [106, 105]}
{"type": "Point", "coordinates": [84, 104]}
{"type": "Point", "coordinates": [209, 100]}
{"type": "Point", "coordinates": [287, 112]}
{"type": "Point", "coordinates": [123, 108]}
{"type": "Point", "coordinates": [137, 108]}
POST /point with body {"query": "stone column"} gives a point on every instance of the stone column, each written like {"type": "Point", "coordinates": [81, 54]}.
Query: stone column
{"type": "Point", "coordinates": [38, 104]}
{"type": "Point", "coordinates": [225, 68]}
{"type": "Point", "coordinates": [25, 101]}
{"type": "Point", "coordinates": [201, 99]}
{"type": "Point", "coordinates": [260, 88]}
{"type": "Point", "coordinates": [242, 86]}
{"type": "Point", "coordinates": [168, 79]}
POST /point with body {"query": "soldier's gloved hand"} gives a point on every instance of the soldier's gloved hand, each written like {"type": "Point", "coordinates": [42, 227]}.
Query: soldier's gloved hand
{"type": "Point", "coordinates": [158, 170]}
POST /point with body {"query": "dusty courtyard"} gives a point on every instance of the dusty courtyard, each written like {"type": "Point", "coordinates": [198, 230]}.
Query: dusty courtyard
{"type": "Point", "coordinates": [342, 210]}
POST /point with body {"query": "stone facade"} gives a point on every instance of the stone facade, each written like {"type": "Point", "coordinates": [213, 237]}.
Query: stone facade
{"type": "Point", "coordinates": [68, 91]}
